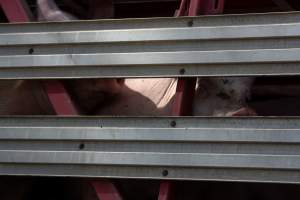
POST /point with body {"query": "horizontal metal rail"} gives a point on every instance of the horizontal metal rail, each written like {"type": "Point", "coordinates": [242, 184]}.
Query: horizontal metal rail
{"type": "Point", "coordinates": [226, 149]}
{"type": "Point", "coordinates": [150, 35]}
{"type": "Point", "coordinates": [233, 45]}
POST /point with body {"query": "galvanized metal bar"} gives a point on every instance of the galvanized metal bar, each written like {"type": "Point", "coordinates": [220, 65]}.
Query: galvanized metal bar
{"type": "Point", "coordinates": [181, 50]}
{"type": "Point", "coordinates": [152, 122]}
{"type": "Point", "coordinates": [148, 35]}
{"type": "Point", "coordinates": [154, 58]}
{"type": "Point", "coordinates": [280, 162]}
{"type": "Point", "coordinates": [227, 149]}
{"type": "Point", "coordinates": [222, 135]}
{"type": "Point", "coordinates": [162, 64]}
{"type": "Point", "coordinates": [142, 71]}
{"type": "Point", "coordinates": [160, 46]}
{"type": "Point", "coordinates": [211, 174]}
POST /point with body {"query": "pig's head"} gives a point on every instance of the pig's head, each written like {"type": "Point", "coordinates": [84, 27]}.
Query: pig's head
{"type": "Point", "coordinates": [89, 94]}
{"type": "Point", "coordinates": [223, 97]}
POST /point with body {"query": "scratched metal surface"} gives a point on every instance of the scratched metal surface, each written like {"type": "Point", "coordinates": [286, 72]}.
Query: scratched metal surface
{"type": "Point", "coordinates": [230, 45]}
{"type": "Point", "coordinates": [226, 149]}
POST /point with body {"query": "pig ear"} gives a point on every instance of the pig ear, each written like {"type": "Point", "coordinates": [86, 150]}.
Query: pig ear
{"type": "Point", "coordinates": [49, 11]}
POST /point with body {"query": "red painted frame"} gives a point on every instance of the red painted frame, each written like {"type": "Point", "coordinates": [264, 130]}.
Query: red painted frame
{"type": "Point", "coordinates": [165, 190]}
{"type": "Point", "coordinates": [17, 11]}
{"type": "Point", "coordinates": [59, 98]}
{"type": "Point", "coordinates": [105, 190]}
{"type": "Point", "coordinates": [186, 86]}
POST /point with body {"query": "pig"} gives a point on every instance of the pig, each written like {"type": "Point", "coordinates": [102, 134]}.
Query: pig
{"type": "Point", "coordinates": [28, 97]}
{"type": "Point", "coordinates": [152, 97]}
{"type": "Point", "coordinates": [87, 93]}
{"type": "Point", "coordinates": [223, 96]}
{"type": "Point", "coordinates": [213, 97]}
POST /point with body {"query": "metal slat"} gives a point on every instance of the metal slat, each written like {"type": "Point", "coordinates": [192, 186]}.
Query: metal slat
{"type": "Point", "coordinates": [149, 35]}
{"type": "Point", "coordinates": [154, 58]}
{"type": "Point", "coordinates": [158, 64]}
{"type": "Point", "coordinates": [236, 174]}
{"type": "Point", "coordinates": [271, 162]}
{"type": "Point", "coordinates": [239, 45]}
{"type": "Point", "coordinates": [155, 46]}
{"type": "Point", "coordinates": [227, 149]}
{"type": "Point", "coordinates": [224, 135]}
{"type": "Point", "coordinates": [152, 122]}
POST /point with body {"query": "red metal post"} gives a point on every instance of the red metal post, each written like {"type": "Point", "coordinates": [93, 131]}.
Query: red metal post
{"type": "Point", "coordinates": [16, 11]}
{"type": "Point", "coordinates": [184, 97]}
{"type": "Point", "coordinates": [206, 7]}
{"type": "Point", "coordinates": [59, 98]}
{"type": "Point", "coordinates": [105, 190]}
{"type": "Point", "coordinates": [186, 86]}
{"type": "Point", "coordinates": [165, 190]}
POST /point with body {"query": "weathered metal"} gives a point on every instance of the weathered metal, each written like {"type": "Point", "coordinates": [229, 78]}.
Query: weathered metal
{"type": "Point", "coordinates": [227, 149]}
{"type": "Point", "coordinates": [248, 45]}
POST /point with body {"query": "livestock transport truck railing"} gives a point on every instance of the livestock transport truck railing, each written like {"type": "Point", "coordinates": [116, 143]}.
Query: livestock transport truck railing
{"type": "Point", "coordinates": [165, 148]}
{"type": "Point", "coordinates": [256, 149]}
